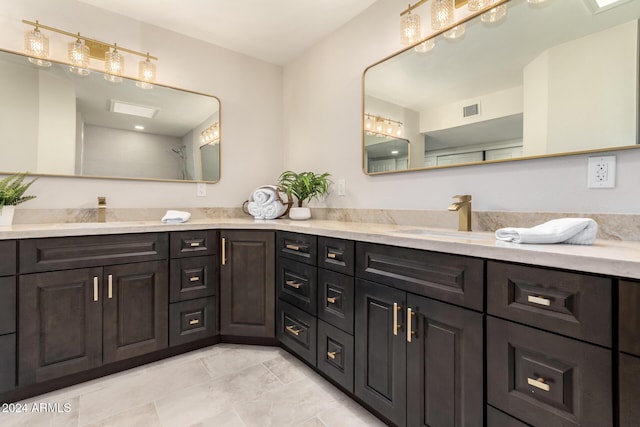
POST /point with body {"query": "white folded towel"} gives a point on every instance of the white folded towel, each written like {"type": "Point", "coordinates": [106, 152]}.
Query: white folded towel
{"type": "Point", "coordinates": [574, 231]}
{"type": "Point", "coordinates": [175, 217]}
{"type": "Point", "coordinates": [266, 203]}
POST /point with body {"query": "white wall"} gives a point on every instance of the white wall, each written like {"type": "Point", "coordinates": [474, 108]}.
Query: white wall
{"type": "Point", "coordinates": [325, 86]}
{"type": "Point", "coordinates": [250, 92]}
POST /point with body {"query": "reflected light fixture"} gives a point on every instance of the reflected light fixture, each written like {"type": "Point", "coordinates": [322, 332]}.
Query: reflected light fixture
{"type": "Point", "coordinates": [78, 53]}
{"type": "Point", "coordinates": [113, 65]}
{"type": "Point", "coordinates": [425, 46]}
{"type": "Point", "coordinates": [382, 127]}
{"type": "Point", "coordinates": [442, 16]}
{"type": "Point", "coordinates": [36, 46]}
{"type": "Point", "coordinates": [211, 134]}
{"type": "Point", "coordinates": [409, 27]}
{"type": "Point", "coordinates": [494, 14]}
{"type": "Point", "coordinates": [146, 73]}
{"type": "Point", "coordinates": [456, 32]}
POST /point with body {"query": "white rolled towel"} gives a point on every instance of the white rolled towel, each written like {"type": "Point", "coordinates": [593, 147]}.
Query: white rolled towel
{"type": "Point", "coordinates": [264, 195]}
{"type": "Point", "coordinates": [573, 231]}
{"type": "Point", "coordinates": [175, 217]}
{"type": "Point", "coordinates": [270, 211]}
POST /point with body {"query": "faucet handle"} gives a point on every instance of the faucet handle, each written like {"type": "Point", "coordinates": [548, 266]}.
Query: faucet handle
{"type": "Point", "coordinates": [463, 197]}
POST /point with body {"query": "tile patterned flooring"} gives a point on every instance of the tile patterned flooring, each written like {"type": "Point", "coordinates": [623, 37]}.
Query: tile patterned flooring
{"type": "Point", "coordinates": [226, 385]}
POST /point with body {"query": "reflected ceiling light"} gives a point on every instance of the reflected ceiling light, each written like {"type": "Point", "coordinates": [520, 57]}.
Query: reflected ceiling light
{"type": "Point", "coordinates": [494, 14]}
{"type": "Point", "coordinates": [394, 152]}
{"type": "Point", "coordinates": [138, 127]}
{"type": "Point", "coordinates": [113, 65]}
{"type": "Point", "coordinates": [409, 28]}
{"type": "Point", "coordinates": [78, 53]}
{"type": "Point", "coordinates": [211, 135]}
{"type": "Point", "coordinates": [425, 46]}
{"type": "Point", "coordinates": [381, 126]}
{"type": "Point", "coordinates": [456, 32]}
{"type": "Point", "coordinates": [597, 6]}
{"type": "Point", "coordinates": [132, 109]}
{"type": "Point", "coordinates": [146, 73]}
{"type": "Point", "coordinates": [36, 46]}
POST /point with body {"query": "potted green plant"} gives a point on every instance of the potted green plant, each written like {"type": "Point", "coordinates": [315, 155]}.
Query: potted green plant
{"type": "Point", "coordinates": [12, 193]}
{"type": "Point", "coordinates": [304, 186]}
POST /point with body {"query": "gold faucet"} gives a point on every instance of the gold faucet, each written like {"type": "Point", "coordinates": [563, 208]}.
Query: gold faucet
{"type": "Point", "coordinates": [463, 206]}
{"type": "Point", "coordinates": [102, 209]}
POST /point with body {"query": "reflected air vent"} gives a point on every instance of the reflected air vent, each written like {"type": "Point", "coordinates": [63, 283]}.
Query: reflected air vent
{"type": "Point", "coordinates": [471, 110]}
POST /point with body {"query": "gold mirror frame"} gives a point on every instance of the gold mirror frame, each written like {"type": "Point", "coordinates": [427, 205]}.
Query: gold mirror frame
{"type": "Point", "coordinates": [474, 18]}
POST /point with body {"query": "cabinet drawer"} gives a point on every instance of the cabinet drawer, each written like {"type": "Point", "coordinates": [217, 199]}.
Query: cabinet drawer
{"type": "Point", "coordinates": [545, 379]}
{"type": "Point", "coordinates": [629, 317]}
{"type": "Point", "coordinates": [7, 362]}
{"type": "Point", "coordinates": [336, 299]}
{"type": "Point", "coordinates": [629, 390]}
{"type": "Point", "coordinates": [192, 278]}
{"type": "Point", "coordinates": [577, 305]}
{"type": "Point", "coordinates": [297, 330]}
{"type": "Point", "coordinates": [497, 418]}
{"type": "Point", "coordinates": [194, 243]}
{"type": "Point", "coordinates": [297, 284]}
{"type": "Point", "coordinates": [336, 254]}
{"type": "Point", "coordinates": [8, 259]}
{"type": "Point", "coordinates": [7, 305]}
{"type": "Point", "coordinates": [192, 320]}
{"type": "Point", "coordinates": [300, 247]}
{"type": "Point", "coordinates": [335, 354]}
{"type": "Point", "coordinates": [451, 278]}
{"type": "Point", "coordinates": [64, 253]}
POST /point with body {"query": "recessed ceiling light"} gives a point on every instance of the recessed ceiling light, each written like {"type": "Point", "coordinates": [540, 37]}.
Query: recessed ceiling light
{"type": "Point", "coordinates": [132, 109]}
{"type": "Point", "coordinates": [139, 127]}
{"type": "Point", "coordinates": [596, 6]}
{"type": "Point", "coordinates": [395, 152]}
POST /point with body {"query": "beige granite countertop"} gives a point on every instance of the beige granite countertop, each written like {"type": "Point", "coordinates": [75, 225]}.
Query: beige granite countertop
{"type": "Point", "coordinates": [616, 258]}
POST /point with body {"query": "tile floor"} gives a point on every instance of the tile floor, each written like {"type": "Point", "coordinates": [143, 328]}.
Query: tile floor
{"type": "Point", "coordinates": [224, 385]}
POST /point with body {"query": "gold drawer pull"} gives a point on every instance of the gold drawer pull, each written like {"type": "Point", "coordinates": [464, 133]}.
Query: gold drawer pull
{"type": "Point", "coordinates": [396, 309]}
{"type": "Point", "coordinates": [332, 354]}
{"type": "Point", "coordinates": [410, 333]}
{"type": "Point", "coordinates": [331, 300]}
{"type": "Point", "coordinates": [194, 279]}
{"type": "Point", "coordinates": [331, 255]}
{"type": "Point", "coordinates": [195, 244]}
{"type": "Point", "coordinates": [292, 247]}
{"type": "Point", "coordinates": [194, 321]}
{"type": "Point", "coordinates": [95, 288]}
{"type": "Point", "coordinates": [293, 284]}
{"type": "Point", "coordinates": [539, 300]}
{"type": "Point", "coordinates": [110, 290]}
{"type": "Point", "coordinates": [539, 383]}
{"type": "Point", "coordinates": [293, 330]}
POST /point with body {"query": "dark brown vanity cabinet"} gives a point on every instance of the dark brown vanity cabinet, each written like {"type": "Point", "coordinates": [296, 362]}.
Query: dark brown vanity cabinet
{"type": "Point", "coordinates": [76, 319]}
{"type": "Point", "coordinates": [247, 283]}
{"type": "Point", "coordinates": [7, 315]}
{"type": "Point", "coordinates": [629, 356]}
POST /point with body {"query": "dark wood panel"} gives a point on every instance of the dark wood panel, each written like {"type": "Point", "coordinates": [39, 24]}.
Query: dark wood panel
{"type": "Point", "coordinates": [7, 363]}
{"type": "Point", "coordinates": [297, 330]}
{"type": "Point", "coordinates": [445, 365]}
{"type": "Point", "coordinates": [60, 324]}
{"type": "Point", "coordinates": [336, 354]}
{"type": "Point", "coordinates": [497, 418]}
{"type": "Point", "coordinates": [7, 257]}
{"type": "Point", "coordinates": [61, 253]}
{"type": "Point", "coordinates": [629, 390]}
{"type": "Point", "coordinates": [7, 305]}
{"type": "Point", "coordinates": [380, 367]}
{"type": "Point", "coordinates": [298, 246]}
{"type": "Point", "coordinates": [629, 317]}
{"type": "Point", "coordinates": [136, 298]}
{"type": "Point", "coordinates": [336, 299]}
{"type": "Point", "coordinates": [546, 379]}
{"type": "Point", "coordinates": [192, 320]}
{"type": "Point", "coordinates": [193, 243]}
{"type": "Point", "coordinates": [192, 278]}
{"type": "Point", "coordinates": [247, 284]}
{"type": "Point", "coordinates": [451, 278]}
{"type": "Point", "coordinates": [337, 255]}
{"type": "Point", "coordinates": [577, 305]}
{"type": "Point", "coordinates": [297, 284]}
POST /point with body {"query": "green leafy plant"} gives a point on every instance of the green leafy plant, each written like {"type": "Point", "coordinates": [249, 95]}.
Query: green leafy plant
{"type": "Point", "coordinates": [304, 185]}
{"type": "Point", "coordinates": [12, 189]}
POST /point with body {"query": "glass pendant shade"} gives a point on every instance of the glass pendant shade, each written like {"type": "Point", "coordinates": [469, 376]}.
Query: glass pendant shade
{"type": "Point", "coordinates": [535, 1]}
{"type": "Point", "coordinates": [425, 46]}
{"type": "Point", "coordinates": [114, 66]}
{"type": "Point", "coordinates": [409, 28]}
{"type": "Point", "coordinates": [79, 58]}
{"type": "Point", "coordinates": [474, 5]}
{"type": "Point", "coordinates": [36, 46]}
{"type": "Point", "coordinates": [146, 74]}
{"type": "Point", "coordinates": [441, 13]}
{"type": "Point", "coordinates": [455, 32]}
{"type": "Point", "coordinates": [494, 14]}
{"type": "Point", "coordinates": [368, 123]}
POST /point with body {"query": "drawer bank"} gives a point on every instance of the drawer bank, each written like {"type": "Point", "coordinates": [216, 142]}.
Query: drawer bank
{"type": "Point", "coordinates": [430, 335]}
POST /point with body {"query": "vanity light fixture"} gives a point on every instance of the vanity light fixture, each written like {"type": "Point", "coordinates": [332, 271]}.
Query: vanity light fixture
{"type": "Point", "coordinates": [36, 47]}
{"type": "Point", "coordinates": [442, 15]}
{"type": "Point", "coordinates": [409, 28]}
{"type": "Point", "coordinates": [382, 127]}
{"type": "Point", "coordinates": [211, 135]}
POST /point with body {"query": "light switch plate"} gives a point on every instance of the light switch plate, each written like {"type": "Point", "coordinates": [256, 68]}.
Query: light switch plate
{"type": "Point", "coordinates": [201, 189]}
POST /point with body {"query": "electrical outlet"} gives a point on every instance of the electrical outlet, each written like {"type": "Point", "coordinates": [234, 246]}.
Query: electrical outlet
{"type": "Point", "coordinates": [601, 172]}
{"type": "Point", "coordinates": [201, 189]}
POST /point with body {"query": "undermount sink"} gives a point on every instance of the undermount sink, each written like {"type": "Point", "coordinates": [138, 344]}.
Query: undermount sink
{"type": "Point", "coordinates": [460, 235]}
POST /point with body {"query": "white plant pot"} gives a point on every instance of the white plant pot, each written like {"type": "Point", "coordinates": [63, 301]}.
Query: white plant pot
{"type": "Point", "coordinates": [6, 215]}
{"type": "Point", "coordinates": [299, 213]}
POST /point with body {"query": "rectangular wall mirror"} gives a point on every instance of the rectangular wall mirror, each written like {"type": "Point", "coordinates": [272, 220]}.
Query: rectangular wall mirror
{"type": "Point", "coordinates": [548, 79]}
{"type": "Point", "coordinates": [55, 122]}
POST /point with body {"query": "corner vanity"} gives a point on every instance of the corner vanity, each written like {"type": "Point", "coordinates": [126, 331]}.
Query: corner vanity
{"type": "Point", "coordinates": [449, 329]}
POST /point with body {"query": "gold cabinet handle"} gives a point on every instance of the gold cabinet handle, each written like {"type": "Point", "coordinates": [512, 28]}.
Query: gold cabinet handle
{"type": "Point", "coordinates": [110, 284]}
{"type": "Point", "coordinates": [95, 288]}
{"type": "Point", "coordinates": [331, 300]}
{"type": "Point", "coordinates": [331, 255]}
{"type": "Point", "coordinates": [194, 321]}
{"type": "Point", "coordinates": [410, 333]}
{"type": "Point", "coordinates": [195, 244]}
{"type": "Point", "coordinates": [293, 330]}
{"type": "Point", "coordinates": [396, 309]}
{"type": "Point", "coordinates": [194, 278]}
{"type": "Point", "coordinates": [538, 383]}
{"type": "Point", "coordinates": [292, 247]}
{"type": "Point", "coordinates": [293, 284]}
{"type": "Point", "coordinates": [539, 300]}
{"type": "Point", "coordinates": [331, 354]}
{"type": "Point", "coordinates": [224, 251]}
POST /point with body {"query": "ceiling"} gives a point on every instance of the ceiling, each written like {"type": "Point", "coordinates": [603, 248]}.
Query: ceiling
{"type": "Point", "coordinates": [276, 31]}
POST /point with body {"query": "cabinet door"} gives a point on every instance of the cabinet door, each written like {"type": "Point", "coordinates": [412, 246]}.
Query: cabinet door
{"type": "Point", "coordinates": [136, 303]}
{"type": "Point", "coordinates": [629, 390]}
{"type": "Point", "coordinates": [247, 284]}
{"type": "Point", "coordinates": [380, 366]}
{"type": "Point", "coordinates": [445, 364]}
{"type": "Point", "coordinates": [60, 324]}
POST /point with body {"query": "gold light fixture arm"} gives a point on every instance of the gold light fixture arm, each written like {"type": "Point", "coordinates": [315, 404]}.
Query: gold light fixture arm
{"type": "Point", "coordinates": [458, 3]}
